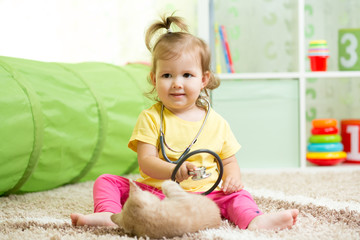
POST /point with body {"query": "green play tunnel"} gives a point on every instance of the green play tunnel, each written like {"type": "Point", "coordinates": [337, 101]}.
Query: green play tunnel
{"type": "Point", "coordinates": [62, 123]}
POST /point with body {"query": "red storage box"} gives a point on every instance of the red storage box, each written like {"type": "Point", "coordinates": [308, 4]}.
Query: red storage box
{"type": "Point", "coordinates": [350, 133]}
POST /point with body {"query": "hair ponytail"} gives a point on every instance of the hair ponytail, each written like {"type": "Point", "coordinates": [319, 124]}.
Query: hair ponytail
{"type": "Point", "coordinates": [165, 24]}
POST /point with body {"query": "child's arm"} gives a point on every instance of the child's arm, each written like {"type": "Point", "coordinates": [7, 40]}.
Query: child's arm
{"type": "Point", "coordinates": [232, 177]}
{"type": "Point", "coordinates": [154, 167]}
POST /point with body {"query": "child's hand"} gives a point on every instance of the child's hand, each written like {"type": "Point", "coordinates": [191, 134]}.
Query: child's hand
{"type": "Point", "coordinates": [183, 172]}
{"type": "Point", "coordinates": [232, 184]}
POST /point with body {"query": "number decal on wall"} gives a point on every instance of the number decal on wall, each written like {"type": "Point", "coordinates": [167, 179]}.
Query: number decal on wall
{"type": "Point", "coordinates": [354, 146]}
{"type": "Point", "coordinates": [350, 50]}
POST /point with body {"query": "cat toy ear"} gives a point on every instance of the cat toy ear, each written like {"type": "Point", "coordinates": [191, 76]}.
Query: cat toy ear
{"type": "Point", "coordinates": [133, 186]}
{"type": "Point", "coordinates": [117, 219]}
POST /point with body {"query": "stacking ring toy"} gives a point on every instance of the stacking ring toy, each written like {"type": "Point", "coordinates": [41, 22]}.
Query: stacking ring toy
{"type": "Point", "coordinates": [326, 162]}
{"type": "Point", "coordinates": [327, 130]}
{"type": "Point", "coordinates": [325, 155]}
{"type": "Point", "coordinates": [331, 138]}
{"type": "Point", "coordinates": [325, 147]}
{"type": "Point", "coordinates": [323, 123]}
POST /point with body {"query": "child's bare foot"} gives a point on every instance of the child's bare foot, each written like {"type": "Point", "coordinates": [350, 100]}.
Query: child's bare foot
{"type": "Point", "coordinates": [278, 220]}
{"type": "Point", "coordinates": [94, 219]}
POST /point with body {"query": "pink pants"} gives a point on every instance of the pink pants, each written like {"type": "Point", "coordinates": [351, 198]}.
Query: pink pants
{"type": "Point", "coordinates": [111, 192]}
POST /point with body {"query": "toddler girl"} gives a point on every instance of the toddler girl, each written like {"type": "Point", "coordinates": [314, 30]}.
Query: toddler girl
{"type": "Point", "coordinates": [181, 77]}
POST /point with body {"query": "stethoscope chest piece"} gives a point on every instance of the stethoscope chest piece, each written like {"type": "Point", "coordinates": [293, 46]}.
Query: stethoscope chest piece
{"type": "Point", "coordinates": [199, 174]}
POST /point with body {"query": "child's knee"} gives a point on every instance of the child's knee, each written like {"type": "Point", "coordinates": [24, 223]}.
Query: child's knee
{"type": "Point", "coordinates": [104, 177]}
{"type": "Point", "coordinates": [112, 180]}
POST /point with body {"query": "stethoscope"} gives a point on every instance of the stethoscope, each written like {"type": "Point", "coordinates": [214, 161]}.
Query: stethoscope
{"type": "Point", "coordinates": [199, 173]}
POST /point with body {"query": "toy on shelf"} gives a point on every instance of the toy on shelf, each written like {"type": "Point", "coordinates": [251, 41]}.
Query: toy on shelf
{"type": "Point", "coordinates": [325, 148]}
{"type": "Point", "coordinates": [350, 133]}
{"type": "Point", "coordinates": [318, 53]}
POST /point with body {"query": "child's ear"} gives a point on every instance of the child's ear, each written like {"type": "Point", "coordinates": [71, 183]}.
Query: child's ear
{"type": "Point", "coordinates": [153, 78]}
{"type": "Point", "coordinates": [205, 79]}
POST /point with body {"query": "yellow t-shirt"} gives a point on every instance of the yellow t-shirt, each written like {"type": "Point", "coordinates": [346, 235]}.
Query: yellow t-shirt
{"type": "Point", "coordinates": [216, 136]}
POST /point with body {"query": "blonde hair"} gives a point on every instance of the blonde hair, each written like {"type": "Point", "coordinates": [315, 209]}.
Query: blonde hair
{"type": "Point", "coordinates": [168, 44]}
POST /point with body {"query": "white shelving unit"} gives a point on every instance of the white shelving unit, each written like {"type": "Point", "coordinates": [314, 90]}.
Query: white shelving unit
{"type": "Point", "coordinates": [298, 76]}
{"type": "Point", "coordinates": [301, 75]}
{"type": "Point", "coordinates": [289, 75]}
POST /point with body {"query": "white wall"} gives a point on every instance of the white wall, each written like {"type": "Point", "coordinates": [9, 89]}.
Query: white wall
{"type": "Point", "coordinates": [83, 30]}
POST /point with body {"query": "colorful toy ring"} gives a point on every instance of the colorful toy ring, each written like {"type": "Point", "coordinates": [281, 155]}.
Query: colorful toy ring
{"type": "Point", "coordinates": [330, 138]}
{"type": "Point", "coordinates": [323, 123]}
{"type": "Point", "coordinates": [325, 155]}
{"type": "Point", "coordinates": [326, 162]}
{"type": "Point", "coordinates": [318, 42]}
{"type": "Point", "coordinates": [325, 147]}
{"type": "Point", "coordinates": [327, 130]}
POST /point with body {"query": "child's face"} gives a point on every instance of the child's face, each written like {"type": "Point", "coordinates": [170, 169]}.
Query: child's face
{"type": "Point", "coordinates": [179, 82]}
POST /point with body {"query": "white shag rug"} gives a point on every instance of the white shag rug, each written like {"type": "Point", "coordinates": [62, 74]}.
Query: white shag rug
{"type": "Point", "coordinates": [328, 201]}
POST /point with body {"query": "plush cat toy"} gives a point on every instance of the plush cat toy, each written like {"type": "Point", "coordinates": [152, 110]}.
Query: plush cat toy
{"type": "Point", "coordinates": [144, 214]}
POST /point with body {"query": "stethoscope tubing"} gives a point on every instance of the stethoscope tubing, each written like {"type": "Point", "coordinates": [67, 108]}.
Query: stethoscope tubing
{"type": "Point", "coordinates": [186, 154]}
{"type": "Point", "coordinates": [162, 147]}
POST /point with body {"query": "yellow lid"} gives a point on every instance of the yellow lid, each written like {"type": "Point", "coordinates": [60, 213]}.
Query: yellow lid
{"type": "Point", "coordinates": [318, 42]}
